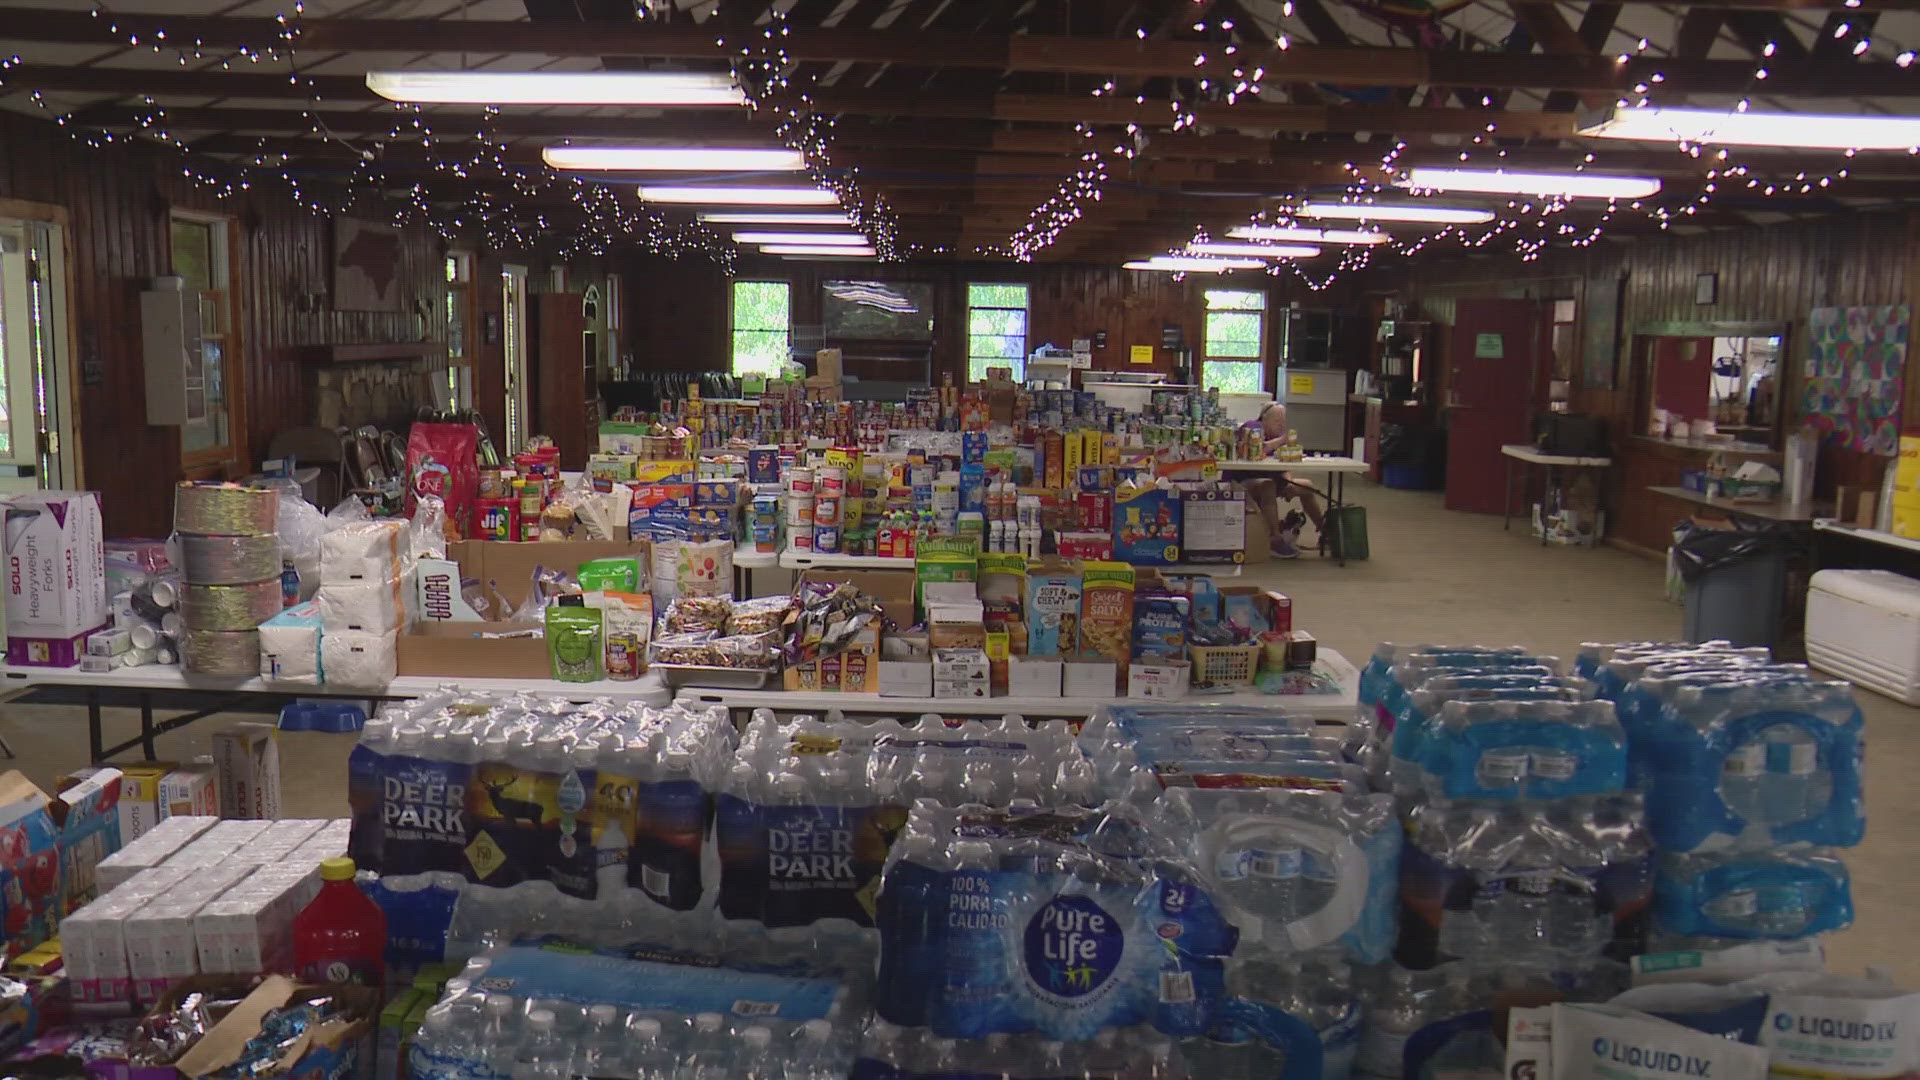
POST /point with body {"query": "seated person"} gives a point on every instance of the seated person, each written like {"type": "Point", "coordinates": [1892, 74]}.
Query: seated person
{"type": "Point", "coordinates": [1265, 489]}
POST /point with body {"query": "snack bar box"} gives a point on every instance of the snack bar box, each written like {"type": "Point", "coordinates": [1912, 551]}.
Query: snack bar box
{"type": "Point", "coordinates": [1864, 625]}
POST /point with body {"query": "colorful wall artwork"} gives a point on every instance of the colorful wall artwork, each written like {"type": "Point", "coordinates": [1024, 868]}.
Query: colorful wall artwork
{"type": "Point", "coordinates": [1856, 357]}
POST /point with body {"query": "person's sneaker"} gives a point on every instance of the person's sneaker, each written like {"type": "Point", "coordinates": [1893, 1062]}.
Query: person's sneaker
{"type": "Point", "coordinates": [1283, 547]}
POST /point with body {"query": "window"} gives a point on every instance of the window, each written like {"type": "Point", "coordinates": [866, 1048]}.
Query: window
{"type": "Point", "coordinates": [996, 330]}
{"type": "Point", "coordinates": [762, 327]}
{"type": "Point", "coordinates": [199, 251]}
{"type": "Point", "coordinates": [459, 313]}
{"type": "Point", "coordinates": [1236, 332]}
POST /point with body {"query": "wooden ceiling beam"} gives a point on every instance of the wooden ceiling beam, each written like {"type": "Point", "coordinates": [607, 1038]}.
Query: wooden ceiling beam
{"type": "Point", "coordinates": [1359, 66]}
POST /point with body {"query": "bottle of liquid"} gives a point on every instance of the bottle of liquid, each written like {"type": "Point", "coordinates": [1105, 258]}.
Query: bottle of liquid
{"type": "Point", "coordinates": [543, 1056]}
{"type": "Point", "coordinates": [601, 1055]}
{"type": "Point", "coordinates": [341, 936]}
{"type": "Point", "coordinates": [648, 1057]}
{"type": "Point", "coordinates": [1390, 1021]}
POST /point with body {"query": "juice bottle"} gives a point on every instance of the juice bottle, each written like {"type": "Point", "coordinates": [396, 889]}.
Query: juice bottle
{"type": "Point", "coordinates": [341, 937]}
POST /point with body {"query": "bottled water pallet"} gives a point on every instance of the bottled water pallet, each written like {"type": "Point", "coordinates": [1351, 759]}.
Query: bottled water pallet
{"type": "Point", "coordinates": [1334, 708]}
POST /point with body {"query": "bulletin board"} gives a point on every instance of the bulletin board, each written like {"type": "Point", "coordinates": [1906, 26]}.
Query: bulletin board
{"type": "Point", "coordinates": [1856, 362]}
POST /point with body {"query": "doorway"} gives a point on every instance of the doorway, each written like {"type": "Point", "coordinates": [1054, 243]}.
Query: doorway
{"type": "Point", "coordinates": [513, 347]}
{"type": "Point", "coordinates": [37, 449]}
{"type": "Point", "coordinates": [1499, 364]}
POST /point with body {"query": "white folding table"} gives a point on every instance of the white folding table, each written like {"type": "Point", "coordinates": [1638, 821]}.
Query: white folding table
{"type": "Point", "coordinates": [1527, 456]}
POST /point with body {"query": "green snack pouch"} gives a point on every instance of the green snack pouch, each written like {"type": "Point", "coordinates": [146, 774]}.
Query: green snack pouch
{"type": "Point", "coordinates": [618, 574]}
{"type": "Point", "coordinates": [573, 640]}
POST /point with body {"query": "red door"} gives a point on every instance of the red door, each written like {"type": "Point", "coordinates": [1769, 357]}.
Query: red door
{"type": "Point", "coordinates": [1493, 370]}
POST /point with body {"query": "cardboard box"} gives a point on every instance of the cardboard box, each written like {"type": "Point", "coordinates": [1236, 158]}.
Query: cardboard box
{"type": "Point", "coordinates": [906, 678]}
{"type": "Point", "coordinates": [86, 812]}
{"type": "Point", "coordinates": [1159, 679]}
{"type": "Point", "coordinates": [452, 646]}
{"type": "Point", "coordinates": [1033, 676]}
{"type": "Point", "coordinates": [29, 865]}
{"type": "Point", "coordinates": [139, 806]}
{"type": "Point", "coordinates": [827, 367]}
{"type": "Point", "coordinates": [1278, 609]}
{"type": "Point", "coordinates": [334, 1049]}
{"type": "Point", "coordinates": [1146, 526]}
{"type": "Point", "coordinates": [960, 673]}
{"type": "Point", "coordinates": [857, 669]}
{"type": "Point", "coordinates": [956, 619]}
{"type": "Point", "coordinates": [190, 791]}
{"type": "Point", "coordinates": [1085, 678]}
{"type": "Point", "coordinates": [1214, 525]}
{"type": "Point", "coordinates": [247, 756]}
{"type": "Point", "coordinates": [56, 590]}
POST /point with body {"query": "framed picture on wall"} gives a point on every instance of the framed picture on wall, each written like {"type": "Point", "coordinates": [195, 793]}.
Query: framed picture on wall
{"type": "Point", "coordinates": [1600, 349]}
{"type": "Point", "coordinates": [1706, 288]}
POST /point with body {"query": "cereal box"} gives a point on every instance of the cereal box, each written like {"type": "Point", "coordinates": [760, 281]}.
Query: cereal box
{"type": "Point", "coordinates": [1106, 612]}
{"type": "Point", "coordinates": [1053, 607]}
{"type": "Point", "coordinates": [1160, 626]}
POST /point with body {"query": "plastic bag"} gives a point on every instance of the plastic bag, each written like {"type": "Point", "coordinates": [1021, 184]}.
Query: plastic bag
{"type": "Point", "coordinates": [350, 510]}
{"type": "Point", "coordinates": [1699, 549]}
{"type": "Point", "coordinates": [428, 532]}
{"type": "Point", "coordinates": [300, 525]}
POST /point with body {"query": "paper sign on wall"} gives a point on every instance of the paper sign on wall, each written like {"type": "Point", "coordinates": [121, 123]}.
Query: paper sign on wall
{"type": "Point", "coordinates": [1489, 347]}
{"type": "Point", "coordinates": [1141, 354]}
{"type": "Point", "coordinates": [1299, 385]}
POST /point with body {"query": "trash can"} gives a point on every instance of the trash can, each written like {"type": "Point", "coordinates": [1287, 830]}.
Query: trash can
{"type": "Point", "coordinates": [1736, 579]}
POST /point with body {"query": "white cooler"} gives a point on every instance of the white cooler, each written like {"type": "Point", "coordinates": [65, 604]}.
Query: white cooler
{"type": "Point", "coordinates": [1865, 625]}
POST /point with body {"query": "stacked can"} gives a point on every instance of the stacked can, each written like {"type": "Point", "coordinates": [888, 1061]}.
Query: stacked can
{"type": "Point", "coordinates": [800, 507]}
{"type": "Point", "coordinates": [230, 562]}
{"type": "Point", "coordinates": [829, 508]}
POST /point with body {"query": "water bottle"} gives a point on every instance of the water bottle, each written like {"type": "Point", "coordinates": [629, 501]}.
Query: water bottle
{"type": "Point", "coordinates": [602, 1052]}
{"type": "Point", "coordinates": [754, 1059]}
{"type": "Point", "coordinates": [647, 1055]}
{"type": "Point", "coordinates": [709, 1051]}
{"type": "Point", "coordinates": [813, 1056]}
{"type": "Point", "coordinates": [543, 1056]}
{"type": "Point", "coordinates": [1397, 1014]}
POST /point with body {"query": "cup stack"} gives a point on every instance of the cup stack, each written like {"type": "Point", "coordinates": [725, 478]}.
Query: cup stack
{"type": "Point", "coordinates": [230, 566]}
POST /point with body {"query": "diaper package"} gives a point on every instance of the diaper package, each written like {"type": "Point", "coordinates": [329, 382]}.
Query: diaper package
{"type": "Point", "coordinates": [364, 551]}
{"type": "Point", "coordinates": [357, 658]}
{"type": "Point", "coordinates": [374, 606]}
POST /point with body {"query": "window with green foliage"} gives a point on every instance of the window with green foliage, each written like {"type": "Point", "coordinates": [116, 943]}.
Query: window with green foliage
{"type": "Point", "coordinates": [762, 326]}
{"type": "Point", "coordinates": [1236, 332]}
{"type": "Point", "coordinates": [996, 329]}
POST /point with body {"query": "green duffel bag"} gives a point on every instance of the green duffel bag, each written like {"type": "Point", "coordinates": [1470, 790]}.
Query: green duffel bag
{"type": "Point", "coordinates": [1345, 534]}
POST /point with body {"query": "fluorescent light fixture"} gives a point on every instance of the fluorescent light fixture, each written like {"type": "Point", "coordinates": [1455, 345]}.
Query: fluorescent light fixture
{"type": "Point", "coordinates": [772, 217]}
{"type": "Point", "coordinates": [817, 249]}
{"type": "Point", "coordinates": [1310, 236]}
{"type": "Point", "coordinates": [1411, 213]}
{"type": "Point", "coordinates": [556, 87]}
{"type": "Point", "coordinates": [713, 195]}
{"type": "Point", "coordinates": [1187, 262]}
{"type": "Point", "coordinates": [823, 239]}
{"type": "Point", "coordinates": [1563, 185]}
{"type": "Point", "coordinates": [1813, 131]}
{"type": "Point", "coordinates": [674, 158]}
{"type": "Point", "coordinates": [1254, 251]}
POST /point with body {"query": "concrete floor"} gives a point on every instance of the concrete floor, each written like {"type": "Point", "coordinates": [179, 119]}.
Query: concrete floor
{"type": "Point", "coordinates": [1434, 576]}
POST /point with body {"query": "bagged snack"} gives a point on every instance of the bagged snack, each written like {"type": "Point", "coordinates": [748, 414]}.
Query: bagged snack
{"type": "Point", "coordinates": [574, 633]}
{"type": "Point", "coordinates": [693, 614]}
{"type": "Point", "coordinates": [627, 624]}
{"type": "Point", "coordinates": [759, 616]}
{"type": "Point", "coordinates": [703, 568]}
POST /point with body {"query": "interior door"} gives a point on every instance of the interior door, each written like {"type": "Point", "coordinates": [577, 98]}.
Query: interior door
{"type": "Point", "coordinates": [1493, 364]}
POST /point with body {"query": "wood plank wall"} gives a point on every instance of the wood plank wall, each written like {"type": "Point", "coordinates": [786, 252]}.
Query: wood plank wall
{"type": "Point", "coordinates": [677, 312]}
{"type": "Point", "coordinates": [1776, 273]}
{"type": "Point", "coordinates": [118, 200]}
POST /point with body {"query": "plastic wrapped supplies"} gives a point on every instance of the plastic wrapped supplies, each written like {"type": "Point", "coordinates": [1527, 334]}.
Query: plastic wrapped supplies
{"type": "Point", "coordinates": [290, 646]}
{"type": "Point", "coordinates": [372, 606]}
{"type": "Point", "coordinates": [364, 551]}
{"type": "Point", "coordinates": [358, 658]}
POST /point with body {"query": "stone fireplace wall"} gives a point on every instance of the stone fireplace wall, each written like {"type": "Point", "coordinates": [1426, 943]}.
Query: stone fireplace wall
{"type": "Point", "coordinates": [385, 395]}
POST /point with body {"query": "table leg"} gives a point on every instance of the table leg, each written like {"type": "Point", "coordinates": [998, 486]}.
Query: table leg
{"type": "Point", "coordinates": [146, 726]}
{"type": "Point", "coordinates": [1506, 500]}
{"type": "Point", "coordinates": [1544, 488]}
{"type": "Point", "coordinates": [96, 745]}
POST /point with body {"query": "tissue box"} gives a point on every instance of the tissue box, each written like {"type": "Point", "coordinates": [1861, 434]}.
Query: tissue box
{"type": "Point", "coordinates": [56, 576]}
